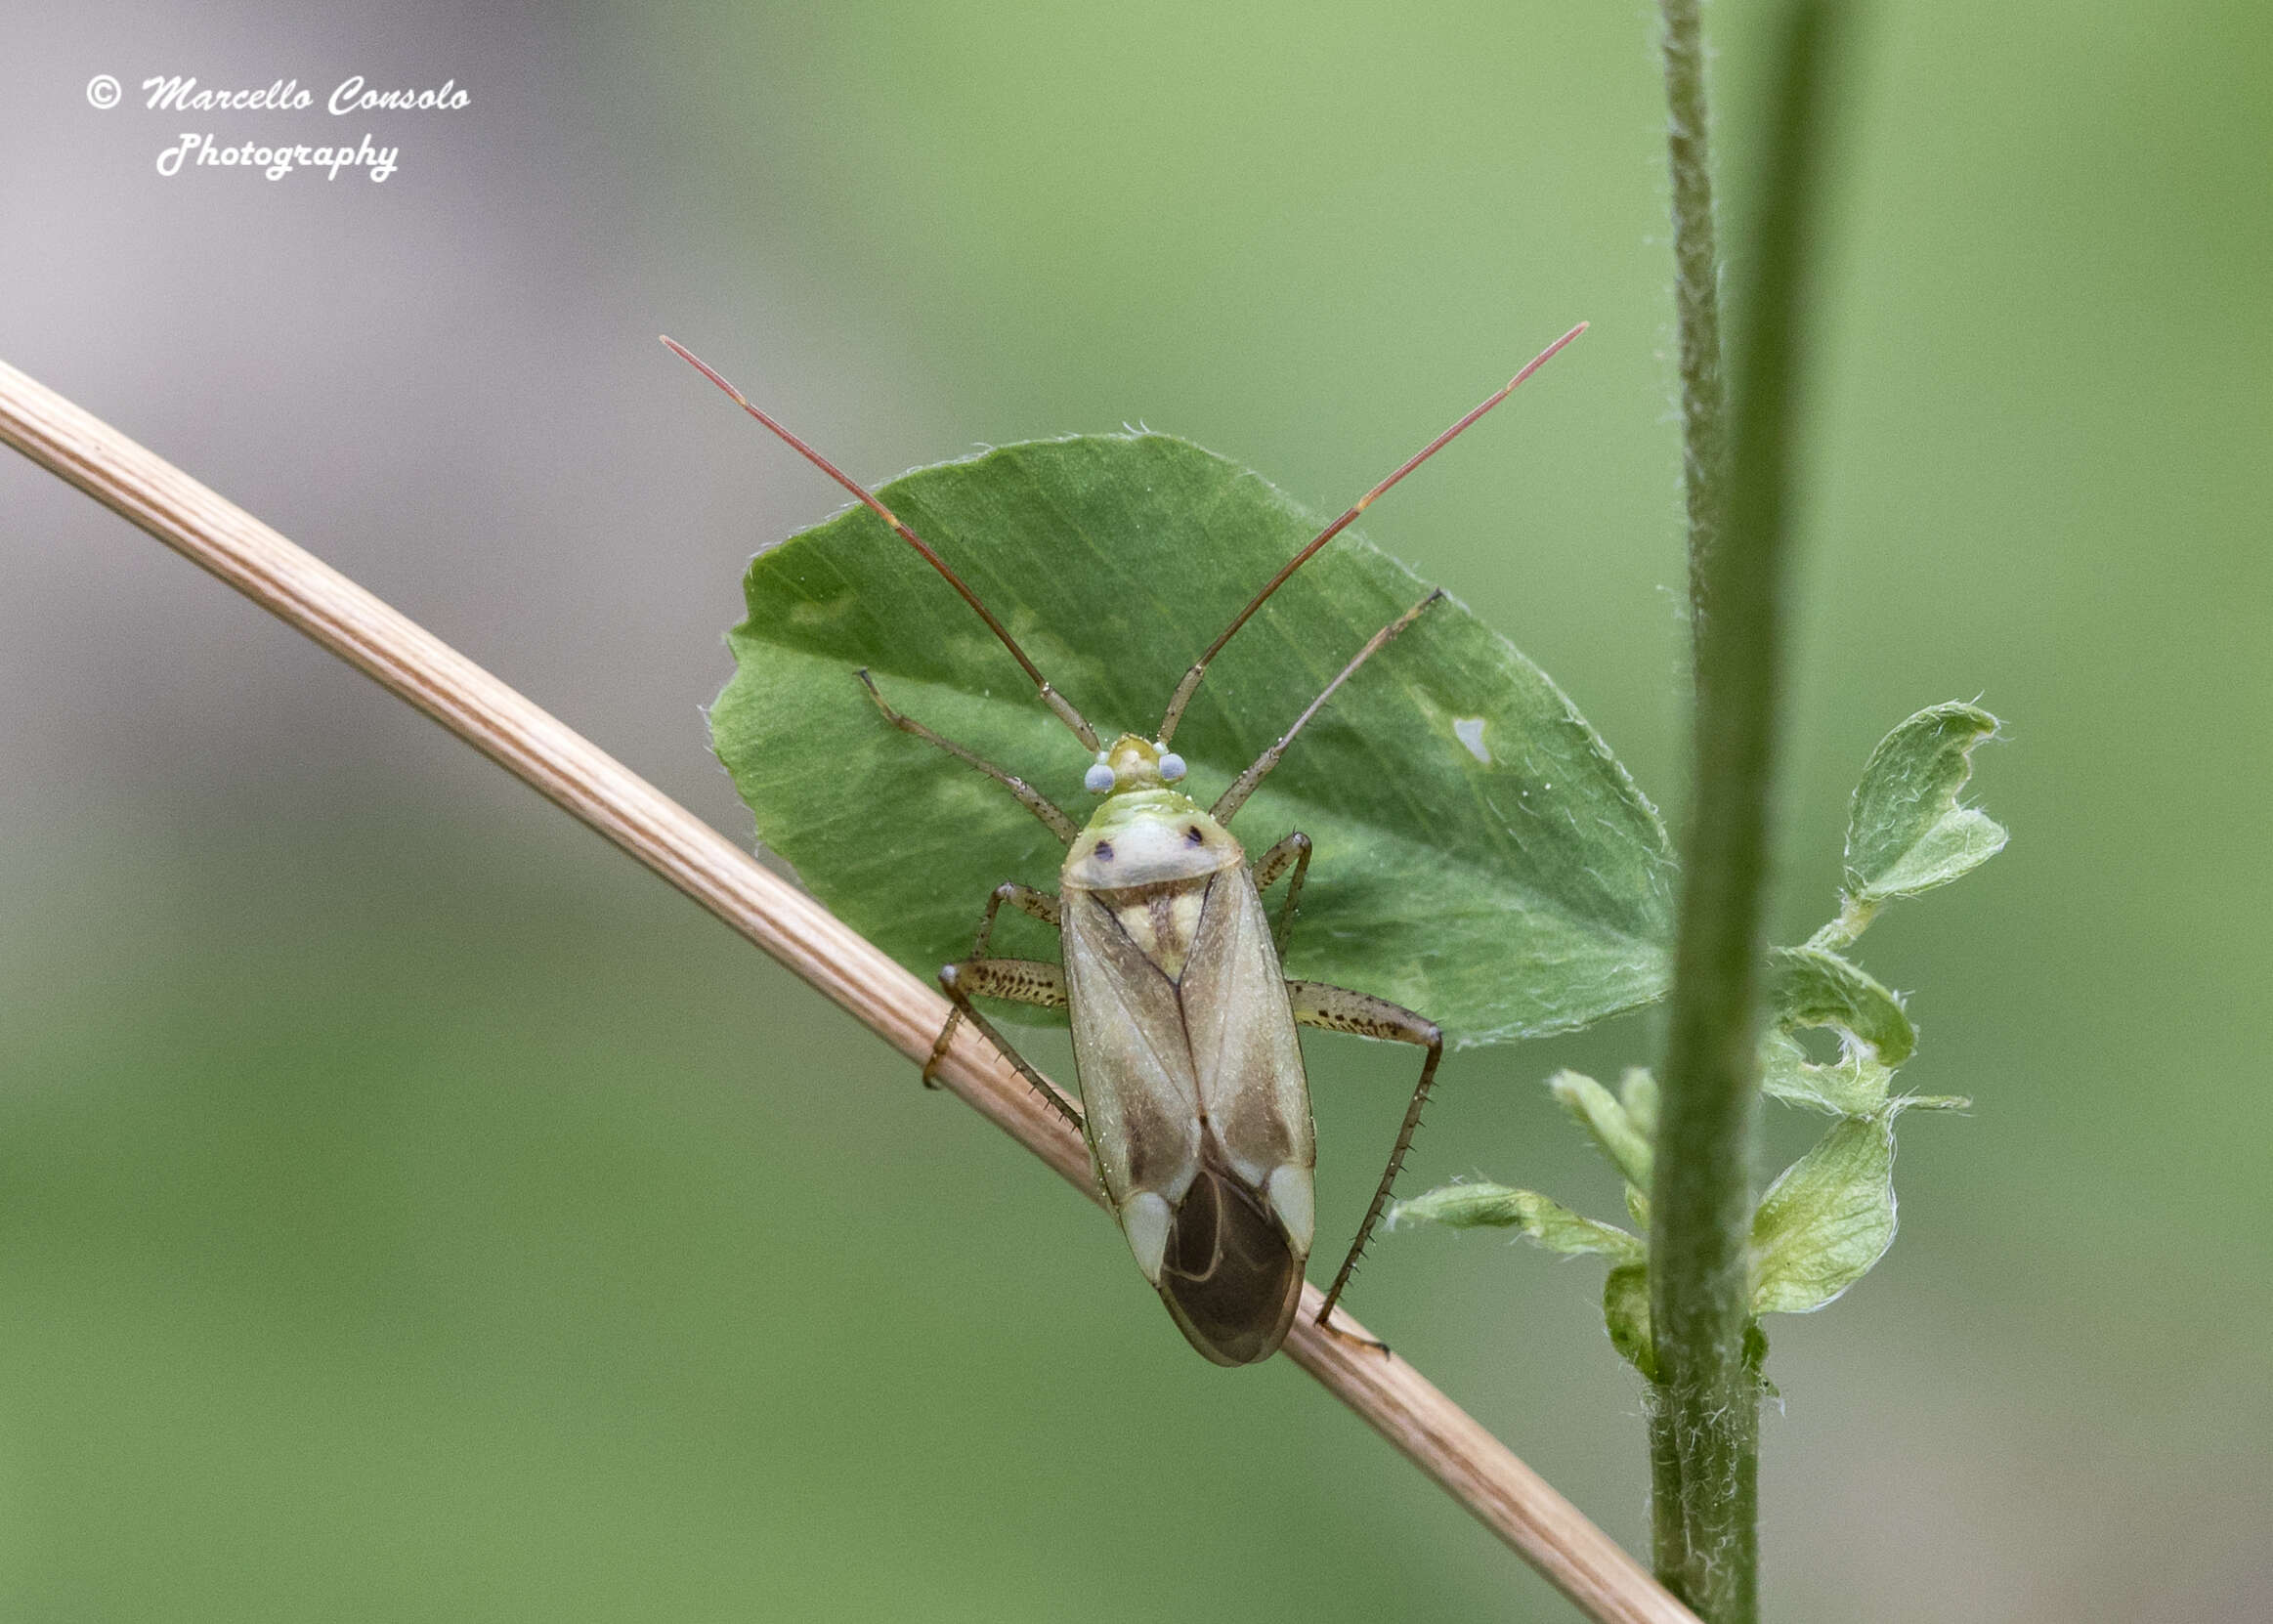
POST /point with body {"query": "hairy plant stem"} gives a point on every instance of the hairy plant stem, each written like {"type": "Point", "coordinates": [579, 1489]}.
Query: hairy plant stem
{"type": "Point", "coordinates": [1704, 1405]}
{"type": "Point", "coordinates": [1697, 279]}
{"type": "Point", "coordinates": [1843, 932]}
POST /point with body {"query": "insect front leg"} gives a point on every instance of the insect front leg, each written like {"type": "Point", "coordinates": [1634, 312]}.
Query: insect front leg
{"type": "Point", "coordinates": [1031, 798]}
{"type": "Point", "coordinates": [1038, 905]}
{"type": "Point", "coordinates": [1295, 849]}
{"type": "Point", "coordinates": [1339, 1010]}
{"type": "Point", "coordinates": [1231, 799]}
{"type": "Point", "coordinates": [1021, 980]}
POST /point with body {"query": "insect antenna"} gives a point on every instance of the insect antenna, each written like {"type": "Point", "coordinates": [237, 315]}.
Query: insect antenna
{"type": "Point", "coordinates": [1051, 697]}
{"type": "Point", "coordinates": [1191, 678]}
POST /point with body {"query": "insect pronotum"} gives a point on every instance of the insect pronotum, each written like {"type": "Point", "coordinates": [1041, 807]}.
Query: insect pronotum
{"type": "Point", "coordinates": [1194, 1102]}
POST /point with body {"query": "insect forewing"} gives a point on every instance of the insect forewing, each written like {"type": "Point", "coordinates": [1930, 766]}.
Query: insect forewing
{"type": "Point", "coordinates": [1140, 1096]}
{"type": "Point", "coordinates": [1245, 1054]}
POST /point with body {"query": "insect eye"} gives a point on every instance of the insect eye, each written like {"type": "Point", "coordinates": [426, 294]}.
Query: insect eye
{"type": "Point", "coordinates": [1171, 767]}
{"type": "Point", "coordinates": [1097, 780]}
{"type": "Point", "coordinates": [1104, 851]}
{"type": "Point", "coordinates": [1193, 838]}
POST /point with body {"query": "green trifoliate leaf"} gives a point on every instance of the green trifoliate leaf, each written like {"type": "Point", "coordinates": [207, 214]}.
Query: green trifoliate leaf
{"type": "Point", "coordinates": [1550, 1224]}
{"type": "Point", "coordinates": [1626, 1315]}
{"type": "Point", "coordinates": [1479, 854]}
{"type": "Point", "coordinates": [1812, 987]}
{"type": "Point", "coordinates": [1605, 1117]}
{"type": "Point", "coordinates": [1907, 832]}
{"type": "Point", "coordinates": [1826, 1219]}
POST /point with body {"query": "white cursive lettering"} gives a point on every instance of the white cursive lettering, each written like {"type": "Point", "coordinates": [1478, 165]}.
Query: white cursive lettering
{"type": "Point", "coordinates": [172, 93]}
{"type": "Point", "coordinates": [353, 96]}
{"type": "Point", "coordinates": [276, 162]}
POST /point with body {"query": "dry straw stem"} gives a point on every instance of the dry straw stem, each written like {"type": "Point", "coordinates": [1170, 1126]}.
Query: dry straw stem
{"type": "Point", "coordinates": [1478, 1470]}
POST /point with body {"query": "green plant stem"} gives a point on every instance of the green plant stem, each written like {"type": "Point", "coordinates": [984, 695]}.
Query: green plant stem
{"type": "Point", "coordinates": [1698, 312]}
{"type": "Point", "coordinates": [1697, 274]}
{"type": "Point", "coordinates": [1705, 1410]}
{"type": "Point", "coordinates": [1847, 929]}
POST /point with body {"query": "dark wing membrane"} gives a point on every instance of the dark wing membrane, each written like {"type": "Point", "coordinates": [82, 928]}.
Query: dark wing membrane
{"type": "Point", "coordinates": [1230, 1280]}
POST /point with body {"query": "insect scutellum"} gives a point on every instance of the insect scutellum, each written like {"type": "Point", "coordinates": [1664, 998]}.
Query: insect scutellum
{"type": "Point", "coordinates": [1194, 1103]}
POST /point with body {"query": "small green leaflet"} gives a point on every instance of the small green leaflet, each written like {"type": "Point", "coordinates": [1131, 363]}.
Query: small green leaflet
{"type": "Point", "coordinates": [1482, 1206]}
{"type": "Point", "coordinates": [1812, 987]}
{"type": "Point", "coordinates": [1627, 1316]}
{"type": "Point", "coordinates": [1608, 1121]}
{"type": "Point", "coordinates": [1480, 855]}
{"type": "Point", "coordinates": [1853, 1086]}
{"type": "Point", "coordinates": [1905, 832]}
{"type": "Point", "coordinates": [1826, 1219]}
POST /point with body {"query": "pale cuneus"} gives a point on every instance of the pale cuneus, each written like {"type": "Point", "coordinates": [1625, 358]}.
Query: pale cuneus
{"type": "Point", "coordinates": [1194, 1103]}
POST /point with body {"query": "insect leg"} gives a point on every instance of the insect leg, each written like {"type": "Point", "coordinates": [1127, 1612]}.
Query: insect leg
{"type": "Point", "coordinates": [1022, 980]}
{"type": "Point", "coordinates": [1338, 1009]}
{"type": "Point", "coordinates": [1040, 905]}
{"type": "Point", "coordinates": [1035, 905]}
{"type": "Point", "coordinates": [1244, 785]}
{"type": "Point", "coordinates": [1294, 849]}
{"type": "Point", "coordinates": [1031, 798]}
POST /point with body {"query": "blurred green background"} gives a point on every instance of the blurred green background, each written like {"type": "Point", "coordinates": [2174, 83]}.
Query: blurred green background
{"type": "Point", "coordinates": [410, 1210]}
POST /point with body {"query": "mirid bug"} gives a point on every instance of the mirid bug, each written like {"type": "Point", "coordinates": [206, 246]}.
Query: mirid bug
{"type": "Point", "coordinates": [1195, 1106]}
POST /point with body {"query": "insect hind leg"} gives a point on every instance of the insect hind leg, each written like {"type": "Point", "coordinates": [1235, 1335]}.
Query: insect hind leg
{"type": "Point", "coordinates": [1339, 1010]}
{"type": "Point", "coordinates": [1023, 980]}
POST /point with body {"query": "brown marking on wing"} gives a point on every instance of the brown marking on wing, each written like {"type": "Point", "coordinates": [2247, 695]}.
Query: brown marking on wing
{"type": "Point", "coordinates": [1240, 1026]}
